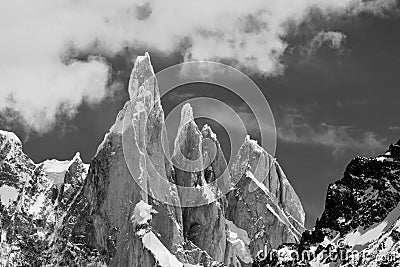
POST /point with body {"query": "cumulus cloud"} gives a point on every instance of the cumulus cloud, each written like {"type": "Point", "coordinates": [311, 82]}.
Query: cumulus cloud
{"type": "Point", "coordinates": [332, 39]}
{"type": "Point", "coordinates": [37, 74]}
{"type": "Point", "coordinates": [293, 128]}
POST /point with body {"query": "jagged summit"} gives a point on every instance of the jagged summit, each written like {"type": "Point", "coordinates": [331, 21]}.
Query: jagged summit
{"type": "Point", "coordinates": [144, 97]}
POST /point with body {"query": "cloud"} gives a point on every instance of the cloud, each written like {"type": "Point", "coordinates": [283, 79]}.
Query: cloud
{"type": "Point", "coordinates": [332, 39]}
{"type": "Point", "coordinates": [38, 73]}
{"type": "Point", "coordinates": [394, 128]}
{"type": "Point", "coordinates": [293, 128]}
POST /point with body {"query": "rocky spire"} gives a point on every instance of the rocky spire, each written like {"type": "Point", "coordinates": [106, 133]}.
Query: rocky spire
{"type": "Point", "coordinates": [130, 167]}
{"type": "Point", "coordinates": [204, 223]}
{"type": "Point", "coordinates": [187, 149]}
{"type": "Point", "coordinates": [263, 191]}
{"type": "Point", "coordinates": [142, 81]}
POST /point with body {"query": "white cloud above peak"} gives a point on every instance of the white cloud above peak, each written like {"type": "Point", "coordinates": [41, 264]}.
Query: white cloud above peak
{"type": "Point", "coordinates": [35, 35]}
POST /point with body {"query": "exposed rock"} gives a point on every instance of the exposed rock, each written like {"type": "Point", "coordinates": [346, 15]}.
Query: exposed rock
{"type": "Point", "coordinates": [204, 225]}
{"type": "Point", "coordinates": [263, 203]}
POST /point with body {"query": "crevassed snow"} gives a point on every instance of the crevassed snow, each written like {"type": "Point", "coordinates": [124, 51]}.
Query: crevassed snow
{"type": "Point", "coordinates": [8, 194]}
{"type": "Point", "coordinates": [161, 253]}
{"type": "Point", "coordinates": [142, 213]}
{"type": "Point", "coordinates": [240, 241]}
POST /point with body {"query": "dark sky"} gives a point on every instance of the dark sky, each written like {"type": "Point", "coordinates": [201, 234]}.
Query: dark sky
{"type": "Point", "coordinates": [330, 106]}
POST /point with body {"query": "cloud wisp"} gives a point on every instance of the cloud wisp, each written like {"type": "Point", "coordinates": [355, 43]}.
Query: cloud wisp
{"type": "Point", "coordinates": [38, 75]}
{"type": "Point", "coordinates": [293, 128]}
{"type": "Point", "coordinates": [332, 39]}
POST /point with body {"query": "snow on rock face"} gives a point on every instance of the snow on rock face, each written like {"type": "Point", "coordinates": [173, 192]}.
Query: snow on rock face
{"type": "Point", "coordinates": [8, 195]}
{"type": "Point", "coordinates": [160, 252]}
{"type": "Point", "coordinates": [239, 241]}
{"type": "Point", "coordinates": [142, 213]}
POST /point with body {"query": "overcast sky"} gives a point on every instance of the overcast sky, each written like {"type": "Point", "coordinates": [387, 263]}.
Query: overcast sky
{"type": "Point", "coordinates": [329, 69]}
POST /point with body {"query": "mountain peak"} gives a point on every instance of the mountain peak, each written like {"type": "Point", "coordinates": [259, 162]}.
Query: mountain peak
{"type": "Point", "coordinates": [208, 132]}
{"type": "Point", "coordinates": [186, 114]}
{"type": "Point", "coordinates": [10, 137]}
{"type": "Point", "coordinates": [142, 74]}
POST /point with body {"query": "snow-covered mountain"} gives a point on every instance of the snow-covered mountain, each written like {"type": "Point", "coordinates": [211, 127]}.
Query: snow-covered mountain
{"type": "Point", "coordinates": [66, 213]}
{"type": "Point", "coordinates": [34, 199]}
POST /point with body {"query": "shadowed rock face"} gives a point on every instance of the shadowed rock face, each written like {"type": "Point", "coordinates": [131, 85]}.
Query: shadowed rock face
{"type": "Point", "coordinates": [203, 225]}
{"type": "Point", "coordinates": [94, 221]}
{"type": "Point", "coordinates": [263, 202]}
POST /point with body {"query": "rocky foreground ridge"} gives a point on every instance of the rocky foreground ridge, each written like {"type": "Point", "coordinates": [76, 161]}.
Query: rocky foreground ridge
{"type": "Point", "coordinates": [71, 214]}
{"type": "Point", "coordinates": [360, 225]}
